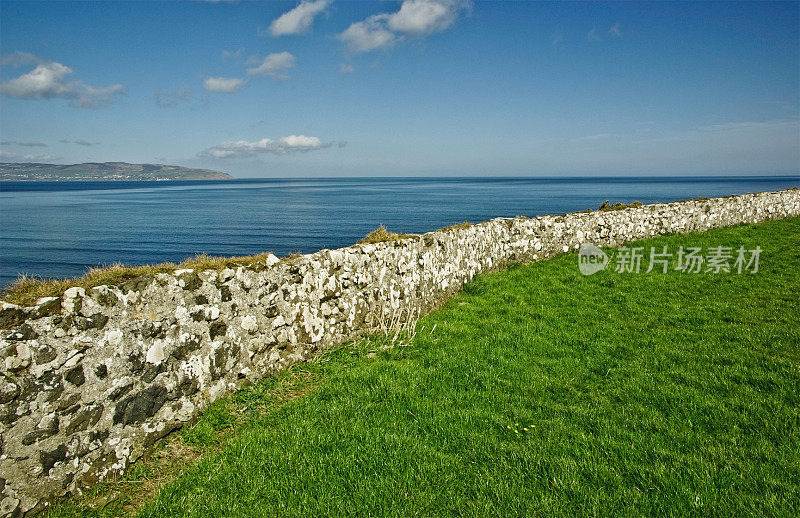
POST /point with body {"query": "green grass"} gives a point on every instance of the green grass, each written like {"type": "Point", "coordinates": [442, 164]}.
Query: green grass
{"type": "Point", "coordinates": [535, 391]}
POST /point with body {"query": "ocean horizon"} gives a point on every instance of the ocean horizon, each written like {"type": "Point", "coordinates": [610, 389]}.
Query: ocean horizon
{"type": "Point", "coordinates": [61, 229]}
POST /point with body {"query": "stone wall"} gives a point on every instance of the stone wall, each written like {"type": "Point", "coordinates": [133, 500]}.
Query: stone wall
{"type": "Point", "coordinates": [90, 380]}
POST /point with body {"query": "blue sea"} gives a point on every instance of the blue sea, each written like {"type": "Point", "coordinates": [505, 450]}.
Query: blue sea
{"type": "Point", "coordinates": [59, 229]}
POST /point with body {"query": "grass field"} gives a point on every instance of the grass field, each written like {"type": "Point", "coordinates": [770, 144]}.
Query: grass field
{"type": "Point", "coordinates": [536, 390]}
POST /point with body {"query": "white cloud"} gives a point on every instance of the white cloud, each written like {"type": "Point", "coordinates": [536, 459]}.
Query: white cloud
{"type": "Point", "coordinates": [280, 146]}
{"type": "Point", "coordinates": [615, 31]}
{"type": "Point", "coordinates": [169, 98]}
{"type": "Point", "coordinates": [223, 84]}
{"type": "Point", "coordinates": [367, 35]}
{"type": "Point", "coordinates": [49, 80]}
{"type": "Point", "coordinates": [272, 66]}
{"type": "Point", "coordinates": [299, 19]}
{"type": "Point", "coordinates": [416, 18]}
{"type": "Point", "coordinates": [422, 17]}
{"type": "Point", "coordinates": [346, 68]}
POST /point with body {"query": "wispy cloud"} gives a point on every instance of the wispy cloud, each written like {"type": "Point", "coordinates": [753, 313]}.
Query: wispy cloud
{"type": "Point", "coordinates": [599, 136]}
{"type": "Point", "coordinates": [170, 98]}
{"type": "Point", "coordinates": [24, 143]}
{"type": "Point", "coordinates": [80, 142]}
{"type": "Point", "coordinates": [280, 146]}
{"type": "Point", "coordinates": [299, 19]}
{"type": "Point", "coordinates": [273, 66]}
{"type": "Point", "coordinates": [50, 80]}
{"type": "Point", "coordinates": [415, 18]}
{"type": "Point", "coordinates": [346, 68]}
{"type": "Point", "coordinates": [232, 54]}
{"type": "Point", "coordinates": [223, 84]}
{"type": "Point", "coordinates": [615, 31]}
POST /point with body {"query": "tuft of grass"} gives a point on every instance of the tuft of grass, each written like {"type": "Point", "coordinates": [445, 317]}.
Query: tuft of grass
{"type": "Point", "coordinates": [459, 226]}
{"type": "Point", "coordinates": [381, 235]}
{"type": "Point", "coordinates": [534, 391]}
{"type": "Point", "coordinates": [608, 206]}
{"type": "Point", "coordinates": [25, 291]}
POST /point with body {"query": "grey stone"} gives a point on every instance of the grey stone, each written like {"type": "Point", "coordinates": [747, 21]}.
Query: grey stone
{"type": "Point", "coordinates": [11, 316]}
{"type": "Point", "coordinates": [75, 375]}
{"type": "Point", "coordinates": [101, 371]}
{"type": "Point", "coordinates": [45, 354]}
{"type": "Point", "coordinates": [48, 459]}
{"type": "Point", "coordinates": [217, 329]}
{"type": "Point", "coordinates": [23, 332]}
{"type": "Point", "coordinates": [8, 390]}
{"type": "Point", "coordinates": [88, 416]}
{"type": "Point", "coordinates": [140, 406]}
{"type": "Point", "coordinates": [47, 427]}
{"type": "Point", "coordinates": [10, 507]}
{"type": "Point", "coordinates": [189, 280]}
{"type": "Point", "coordinates": [96, 321]}
{"type": "Point", "coordinates": [46, 306]}
{"type": "Point", "coordinates": [120, 389]}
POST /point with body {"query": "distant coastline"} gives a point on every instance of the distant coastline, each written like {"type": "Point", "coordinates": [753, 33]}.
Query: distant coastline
{"type": "Point", "coordinates": [105, 171]}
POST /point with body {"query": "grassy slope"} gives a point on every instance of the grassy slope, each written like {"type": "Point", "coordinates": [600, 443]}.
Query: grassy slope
{"type": "Point", "coordinates": [535, 390]}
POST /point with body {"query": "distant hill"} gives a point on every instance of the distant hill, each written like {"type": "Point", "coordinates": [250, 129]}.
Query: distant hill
{"type": "Point", "coordinates": [105, 171]}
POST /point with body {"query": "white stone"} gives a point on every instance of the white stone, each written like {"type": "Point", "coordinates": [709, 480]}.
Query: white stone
{"type": "Point", "coordinates": [155, 354]}
{"type": "Point", "coordinates": [71, 299]}
{"type": "Point", "coordinates": [45, 300]}
{"type": "Point", "coordinates": [114, 337]}
{"type": "Point", "coordinates": [181, 313]}
{"type": "Point", "coordinates": [250, 324]}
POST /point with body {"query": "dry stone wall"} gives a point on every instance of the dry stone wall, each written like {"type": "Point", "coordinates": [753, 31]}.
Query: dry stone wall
{"type": "Point", "coordinates": [90, 380]}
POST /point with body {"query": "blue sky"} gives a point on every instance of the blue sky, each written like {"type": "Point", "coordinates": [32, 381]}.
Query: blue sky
{"type": "Point", "coordinates": [420, 87]}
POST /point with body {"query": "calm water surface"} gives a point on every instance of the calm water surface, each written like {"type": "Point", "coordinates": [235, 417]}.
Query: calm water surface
{"type": "Point", "coordinates": [59, 229]}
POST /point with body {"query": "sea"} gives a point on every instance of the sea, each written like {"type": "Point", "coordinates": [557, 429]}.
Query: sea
{"type": "Point", "coordinates": [60, 229]}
